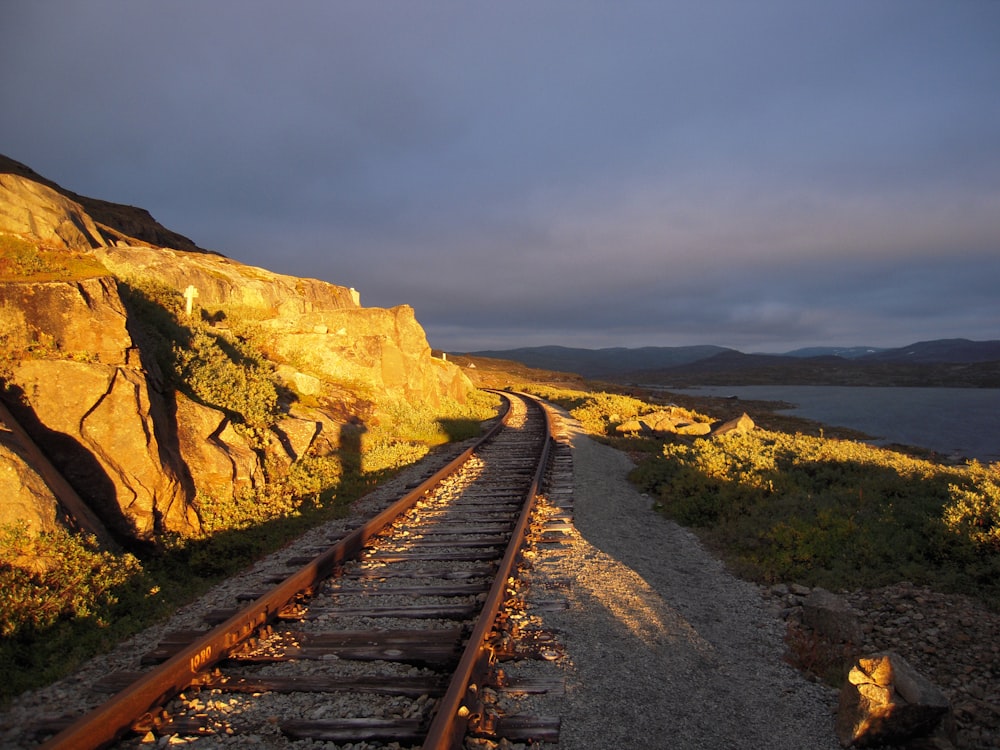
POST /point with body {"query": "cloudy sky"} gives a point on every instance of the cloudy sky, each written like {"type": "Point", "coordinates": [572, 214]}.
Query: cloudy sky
{"type": "Point", "coordinates": [761, 175]}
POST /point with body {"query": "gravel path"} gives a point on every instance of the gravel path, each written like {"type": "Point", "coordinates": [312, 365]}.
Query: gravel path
{"type": "Point", "coordinates": [664, 648]}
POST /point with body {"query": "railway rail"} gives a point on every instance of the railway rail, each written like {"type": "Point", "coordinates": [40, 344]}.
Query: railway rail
{"type": "Point", "coordinates": [393, 634]}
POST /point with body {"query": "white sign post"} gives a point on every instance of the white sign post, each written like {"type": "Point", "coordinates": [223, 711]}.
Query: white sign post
{"type": "Point", "coordinates": [190, 294]}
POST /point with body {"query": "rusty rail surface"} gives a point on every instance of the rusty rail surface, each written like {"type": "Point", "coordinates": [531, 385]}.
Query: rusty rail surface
{"type": "Point", "coordinates": [109, 722]}
{"type": "Point", "coordinates": [456, 709]}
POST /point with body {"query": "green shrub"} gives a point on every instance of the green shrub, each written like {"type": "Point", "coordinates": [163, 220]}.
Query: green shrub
{"type": "Point", "coordinates": [229, 375]}
{"type": "Point", "coordinates": [974, 509]}
{"type": "Point", "coordinates": [56, 575]}
{"type": "Point", "coordinates": [836, 513]}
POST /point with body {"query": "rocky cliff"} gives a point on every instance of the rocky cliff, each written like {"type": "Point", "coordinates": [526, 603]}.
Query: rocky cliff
{"type": "Point", "coordinates": [101, 308]}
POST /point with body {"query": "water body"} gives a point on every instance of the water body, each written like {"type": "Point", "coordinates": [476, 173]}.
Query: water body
{"type": "Point", "coordinates": [959, 422]}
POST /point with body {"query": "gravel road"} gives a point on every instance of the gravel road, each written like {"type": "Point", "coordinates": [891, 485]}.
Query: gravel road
{"type": "Point", "coordinates": [666, 649]}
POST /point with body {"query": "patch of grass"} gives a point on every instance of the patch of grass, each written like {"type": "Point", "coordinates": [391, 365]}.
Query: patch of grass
{"type": "Point", "coordinates": [832, 513]}
{"type": "Point", "coordinates": [22, 260]}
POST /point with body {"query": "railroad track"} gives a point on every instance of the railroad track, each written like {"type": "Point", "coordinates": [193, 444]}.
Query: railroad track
{"type": "Point", "coordinates": [395, 634]}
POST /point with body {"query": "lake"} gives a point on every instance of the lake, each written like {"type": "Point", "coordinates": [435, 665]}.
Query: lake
{"type": "Point", "coordinates": [953, 421]}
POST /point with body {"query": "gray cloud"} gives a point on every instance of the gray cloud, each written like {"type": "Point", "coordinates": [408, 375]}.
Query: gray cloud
{"type": "Point", "coordinates": [762, 176]}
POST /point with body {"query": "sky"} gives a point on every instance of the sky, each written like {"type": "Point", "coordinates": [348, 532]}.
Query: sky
{"type": "Point", "coordinates": [761, 175]}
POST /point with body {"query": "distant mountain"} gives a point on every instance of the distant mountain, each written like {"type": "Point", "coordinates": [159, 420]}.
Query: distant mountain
{"type": "Point", "coordinates": [603, 362]}
{"type": "Point", "coordinates": [957, 362]}
{"type": "Point", "coordinates": [941, 350]}
{"type": "Point", "coordinates": [846, 352]}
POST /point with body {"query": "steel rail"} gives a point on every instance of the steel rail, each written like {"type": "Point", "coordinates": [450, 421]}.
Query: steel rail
{"type": "Point", "coordinates": [110, 721]}
{"type": "Point", "coordinates": [452, 713]}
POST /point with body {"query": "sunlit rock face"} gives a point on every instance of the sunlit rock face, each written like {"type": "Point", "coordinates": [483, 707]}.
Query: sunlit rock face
{"type": "Point", "coordinates": [223, 282]}
{"type": "Point", "coordinates": [81, 379]}
{"type": "Point", "coordinates": [382, 349]}
{"type": "Point", "coordinates": [33, 209]}
{"type": "Point", "coordinates": [83, 395]}
{"type": "Point", "coordinates": [106, 431]}
{"type": "Point", "coordinates": [82, 320]}
{"type": "Point", "coordinates": [221, 462]}
{"type": "Point", "coordinates": [27, 498]}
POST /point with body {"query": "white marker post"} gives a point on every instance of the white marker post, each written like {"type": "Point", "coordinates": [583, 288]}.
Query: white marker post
{"type": "Point", "coordinates": [190, 294]}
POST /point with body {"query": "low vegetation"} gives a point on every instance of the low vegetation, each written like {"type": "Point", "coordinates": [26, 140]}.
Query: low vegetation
{"type": "Point", "coordinates": [792, 507]}
{"type": "Point", "coordinates": [23, 260]}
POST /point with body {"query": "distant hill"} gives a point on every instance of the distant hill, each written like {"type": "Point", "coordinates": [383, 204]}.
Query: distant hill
{"type": "Point", "coordinates": [846, 352]}
{"type": "Point", "coordinates": [592, 363]}
{"type": "Point", "coordinates": [941, 350]}
{"type": "Point", "coordinates": [945, 362]}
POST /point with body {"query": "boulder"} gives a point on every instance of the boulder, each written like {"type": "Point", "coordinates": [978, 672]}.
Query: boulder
{"type": "Point", "coordinates": [630, 427]}
{"type": "Point", "coordinates": [694, 428]}
{"type": "Point", "coordinates": [885, 701]}
{"type": "Point", "coordinates": [831, 616]}
{"type": "Point", "coordinates": [661, 423]}
{"type": "Point", "coordinates": [742, 424]}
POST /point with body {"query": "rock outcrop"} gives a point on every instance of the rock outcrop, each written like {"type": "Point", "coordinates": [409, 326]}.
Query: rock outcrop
{"type": "Point", "coordinates": [28, 499]}
{"type": "Point", "coordinates": [80, 374]}
{"type": "Point", "coordinates": [85, 398]}
{"type": "Point", "coordinates": [115, 221]}
{"type": "Point", "coordinates": [885, 701]}
{"type": "Point", "coordinates": [30, 208]}
{"type": "Point", "coordinates": [661, 423]}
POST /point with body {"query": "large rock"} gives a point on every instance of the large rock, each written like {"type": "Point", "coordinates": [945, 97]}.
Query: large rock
{"type": "Point", "coordinates": [381, 350]}
{"type": "Point", "coordinates": [25, 496]}
{"type": "Point", "coordinates": [740, 425]}
{"type": "Point", "coordinates": [831, 616]}
{"type": "Point", "coordinates": [32, 491]}
{"type": "Point", "coordinates": [885, 701]}
{"type": "Point", "coordinates": [103, 428]}
{"type": "Point", "coordinates": [83, 320]}
{"type": "Point", "coordinates": [31, 208]}
{"type": "Point", "coordinates": [221, 462]}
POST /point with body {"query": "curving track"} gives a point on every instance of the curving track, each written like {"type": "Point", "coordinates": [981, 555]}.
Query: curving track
{"type": "Point", "coordinates": [391, 635]}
